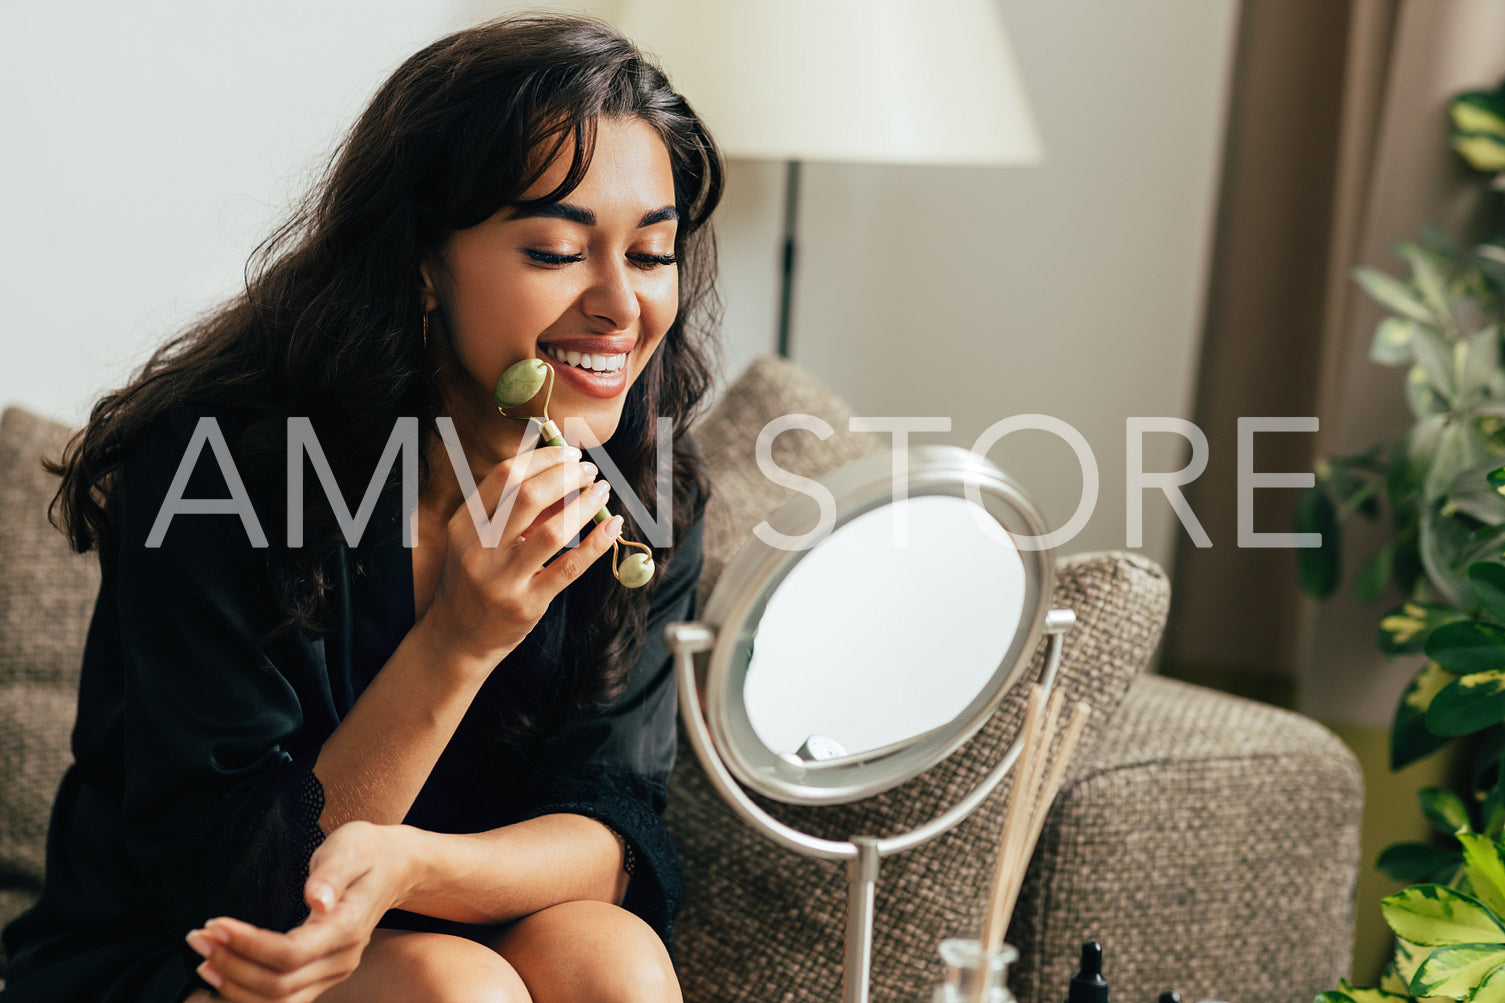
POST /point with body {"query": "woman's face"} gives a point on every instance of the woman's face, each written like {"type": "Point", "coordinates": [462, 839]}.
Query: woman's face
{"type": "Point", "coordinates": [589, 284]}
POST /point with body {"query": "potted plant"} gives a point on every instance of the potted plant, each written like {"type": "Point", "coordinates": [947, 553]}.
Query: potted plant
{"type": "Point", "coordinates": [1442, 484]}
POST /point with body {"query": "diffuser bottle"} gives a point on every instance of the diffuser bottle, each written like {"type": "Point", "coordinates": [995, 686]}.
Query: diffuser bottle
{"type": "Point", "coordinates": [966, 964]}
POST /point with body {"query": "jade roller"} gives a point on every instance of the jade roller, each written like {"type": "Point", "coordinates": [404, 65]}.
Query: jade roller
{"type": "Point", "coordinates": [520, 384]}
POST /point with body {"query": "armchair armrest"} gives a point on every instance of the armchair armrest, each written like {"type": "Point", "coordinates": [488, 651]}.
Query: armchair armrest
{"type": "Point", "coordinates": [1211, 843]}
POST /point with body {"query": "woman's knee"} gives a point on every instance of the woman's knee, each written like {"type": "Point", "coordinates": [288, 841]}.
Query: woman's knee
{"type": "Point", "coordinates": [429, 968]}
{"type": "Point", "coordinates": [590, 952]}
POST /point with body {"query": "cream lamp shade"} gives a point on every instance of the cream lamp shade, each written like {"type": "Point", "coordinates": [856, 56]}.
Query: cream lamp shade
{"type": "Point", "coordinates": [867, 81]}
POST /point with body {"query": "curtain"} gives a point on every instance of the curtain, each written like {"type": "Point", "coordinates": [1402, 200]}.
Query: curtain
{"type": "Point", "coordinates": [1336, 150]}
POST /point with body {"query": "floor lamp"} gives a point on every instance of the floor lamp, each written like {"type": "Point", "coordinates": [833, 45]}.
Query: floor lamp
{"type": "Point", "coordinates": [846, 81]}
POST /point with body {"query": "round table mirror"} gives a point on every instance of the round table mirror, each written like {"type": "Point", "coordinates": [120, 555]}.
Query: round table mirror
{"type": "Point", "coordinates": [851, 663]}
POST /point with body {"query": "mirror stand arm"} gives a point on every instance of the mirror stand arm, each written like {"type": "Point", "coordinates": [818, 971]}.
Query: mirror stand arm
{"type": "Point", "coordinates": [862, 893]}
{"type": "Point", "coordinates": [685, 641]}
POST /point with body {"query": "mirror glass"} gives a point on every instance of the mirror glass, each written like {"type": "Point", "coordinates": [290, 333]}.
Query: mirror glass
{"type": "Point", "coordinates": [886, 630]}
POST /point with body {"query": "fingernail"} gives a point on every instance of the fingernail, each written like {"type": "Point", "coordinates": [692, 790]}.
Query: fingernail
{"type": "Point", "coordinates": [219, 930]}
{"type": "Point", "coordinates": [201, 944]}
{"type": "Point", "coordinates": [209, 975]}
{"type": "Point", "coordinates": [601, 489]}
{"type": "Point", "coordinates": [588, 469]}
{"type": "Point", "coordinates": [614, 527]}
{"type": "Point", "coordinates": [571, 453]}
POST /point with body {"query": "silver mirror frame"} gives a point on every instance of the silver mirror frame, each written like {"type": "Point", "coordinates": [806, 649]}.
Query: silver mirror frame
{"type": "Point", "coordinates": [747, 583]}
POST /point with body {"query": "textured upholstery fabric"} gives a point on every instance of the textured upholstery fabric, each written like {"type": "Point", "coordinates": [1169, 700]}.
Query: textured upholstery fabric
{"type": "Point", "coordinates": [46, 591]}
{"type": "Point", "coordinates": [1211, 843]}
{"type": "Point", "coordinates": [46, 595]}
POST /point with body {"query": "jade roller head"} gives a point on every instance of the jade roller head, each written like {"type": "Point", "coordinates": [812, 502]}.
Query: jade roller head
{"type": "Point", "coordinates": [520, 384]}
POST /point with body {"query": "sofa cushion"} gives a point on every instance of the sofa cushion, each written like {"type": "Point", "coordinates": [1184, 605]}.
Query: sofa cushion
{"type": "Point", "coordinates": [46, 590]}
{"type": "Point", "coordinates": [763, 924]}
{"type": "Point", "coordinates": [46, 596]}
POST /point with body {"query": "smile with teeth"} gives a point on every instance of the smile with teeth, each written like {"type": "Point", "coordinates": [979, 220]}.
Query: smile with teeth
{"type": "Point", "coordinates": [587, 361]}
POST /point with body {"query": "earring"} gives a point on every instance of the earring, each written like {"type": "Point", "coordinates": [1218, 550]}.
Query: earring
{"type": "Point", "coordinates": [425, 330]}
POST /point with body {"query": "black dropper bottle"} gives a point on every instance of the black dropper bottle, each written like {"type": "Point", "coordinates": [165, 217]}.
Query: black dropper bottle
{"type": "Point", "coordinates": [1088, 985]}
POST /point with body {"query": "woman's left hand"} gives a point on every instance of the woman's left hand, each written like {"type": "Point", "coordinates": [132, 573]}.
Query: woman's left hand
{"type": "Point", "coordinates": [359, 872]}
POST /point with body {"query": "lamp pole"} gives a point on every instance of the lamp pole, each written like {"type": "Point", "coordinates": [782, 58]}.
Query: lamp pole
{"type": "Point", "coordinates": [791, 225]}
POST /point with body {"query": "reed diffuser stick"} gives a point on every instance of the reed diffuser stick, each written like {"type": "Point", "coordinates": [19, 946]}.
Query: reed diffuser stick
{"type": "Point", "coordinates": [1021, 846]}
{"type": "Point", "coordinates": [1046, 797]}
{"type": "Point", "coordinates": [1034, 789]}
{"type": "Point", "coordinates": [992, 930]}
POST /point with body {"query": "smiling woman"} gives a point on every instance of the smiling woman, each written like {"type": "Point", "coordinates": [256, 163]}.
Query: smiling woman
{"type": "Point", "coordinates": [381, 771]}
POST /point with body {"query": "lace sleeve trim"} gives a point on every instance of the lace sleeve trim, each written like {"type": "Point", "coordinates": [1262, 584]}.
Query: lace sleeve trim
{"type": "Point", "coordinates": [629, 805]}
{"type": "Point", "coordinates": [267, 871]}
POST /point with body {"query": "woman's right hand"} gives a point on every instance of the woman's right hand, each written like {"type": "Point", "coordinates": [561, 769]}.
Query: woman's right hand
{"type": "Point", "coordinates": [494, 584]}
{"type": "Point", "coordinates": [354, 877]}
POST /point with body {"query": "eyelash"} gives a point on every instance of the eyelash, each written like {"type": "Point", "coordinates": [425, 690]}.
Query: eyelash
{"type": "Point", "coordinates": [641, 260]}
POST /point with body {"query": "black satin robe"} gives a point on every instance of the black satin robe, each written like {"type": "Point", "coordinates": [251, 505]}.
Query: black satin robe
{"type": "Point", "coordinates": [192, 793]}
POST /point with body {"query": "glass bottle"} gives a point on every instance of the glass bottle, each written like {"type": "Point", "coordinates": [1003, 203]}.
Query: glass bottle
{"type": "Point", "coordinates": [965, 965]}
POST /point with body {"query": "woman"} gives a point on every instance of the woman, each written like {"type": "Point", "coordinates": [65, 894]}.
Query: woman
{"type": "Point", "coordinates": [354, 769]}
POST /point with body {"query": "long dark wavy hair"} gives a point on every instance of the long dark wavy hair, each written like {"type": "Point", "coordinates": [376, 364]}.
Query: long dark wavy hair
{"type": "Point", "coordinates": [330, 323]}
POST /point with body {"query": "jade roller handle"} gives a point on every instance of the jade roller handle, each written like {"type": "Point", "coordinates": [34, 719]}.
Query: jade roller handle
{"type": "Point", "coordinates": [550, 435]}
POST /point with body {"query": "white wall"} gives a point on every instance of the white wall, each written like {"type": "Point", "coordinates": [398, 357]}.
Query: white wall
{"type": "Point", "coordinates": [149, 146]}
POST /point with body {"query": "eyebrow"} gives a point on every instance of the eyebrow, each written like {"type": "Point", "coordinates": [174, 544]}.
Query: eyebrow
{"type": "Point", "coordinates": [583, 216]}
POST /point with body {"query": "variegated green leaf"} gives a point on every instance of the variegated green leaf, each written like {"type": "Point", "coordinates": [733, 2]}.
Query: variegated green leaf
{"type": "Point", "coordinates": [1474, 495]}
{"type": "Point", "coordinates": [1362, 994]}
{"type": "Point", "coordinates": [1433, 915]}
{"type": "Point", "coordinates": [1481, 364]}
{"type": "Point", "coordinates": [1393, 294]}
{"type": "Point", "coordinates": [1444, 809]}
{"type": "Point", "coordinates": [1487, 543]}
{"type": "Point", "coordinates": [1478, 111]}
{"type": "Point", "coordinates": [1460, 448]}
{"type": "Point", "coordinates": [1421, 441]}
{"type": "Point", "coordinates": [1421, 399]}
{"type": "Point", "coordinates": [1443, 547]}
{"type": "Point", "coordinates": [1487, 579]}
{"type": "Point", "coordinates": [1455, 970]}
{"type": "Point", "coordinates": [1404, 630]}
{"type": "Point", "coordinates": [1332, 996]}
{"type": "Point", "coordinates": [1392, 342]}
{"type": "Point", "coordinates": [1430, 283]}
{"type": "Point", "coordinates": [1491, 990]}
{"type": "Point", "coordinates": [1408, 958]}
{"type": "Point", "coordinates": [1468, 646]}
{"type": "Point", "coordinates": [1483, 152]}
{"type": "Point", "coordinates": [1486, 870]}
{"type": "Point", "coordinates": [1468, 704]}
{"type": "Point", "coordinates": [1410, 863]}
{"type": "Point", "coordinates": [1409, 738]}
{"type": "Point", "coordinates": [1391, 982]}
{"type": "Point", "coordinates": [1434, 353]}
